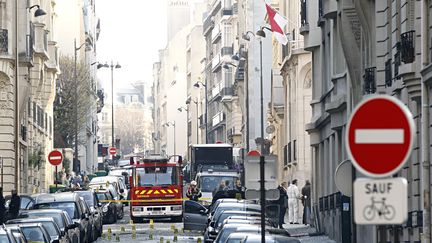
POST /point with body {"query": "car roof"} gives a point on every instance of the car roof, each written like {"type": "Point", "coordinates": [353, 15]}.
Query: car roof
{"type": "Point", "coordinates": [240, 225]}
{"type": "Point", "coordinates": [108, 178]}
{"type": "Point", "coordinates": [47, 210]}
{"type": "Point", "coordinates": [270, 238]}
{"type": "Point", "coordinates": [240, 212]}
{"type": "Point", "coordinates": [57, 197]}
{"type": "Point", "coordinates": [31, 220]}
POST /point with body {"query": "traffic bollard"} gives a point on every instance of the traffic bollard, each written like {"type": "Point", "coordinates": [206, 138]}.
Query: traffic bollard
{"type": "Point", "coordinates": [117, 238]}
{"type": "Point", "coordinates": [161, 240]}
{"type": "Point", "coordinates": [109, 231]}
{"type": "Point", "coordinates": [133, 235]}
{"type": "Point", "coordinates": [109, 236]}
{"type": "Point", "coordinates": [172, 227]}
{"type": "Point", "coordinates": [151, 224]}
{"type": "Point", "coordinates": [122, 229]}
{"type": "Point", "coordinates": [176, 231]}
{"type": "Point", "coordinates": [168, 241]}
{"type": "Point", "coordinates": [199, 240]}
{"type": "Point", "coordinates": [133, 228]}
{"type": "Point", "coordinates": [175, 238]}
{"type": "Point", "coordinates": [151, 236]}
{"type": "Point", "coordinates": [131, 222]}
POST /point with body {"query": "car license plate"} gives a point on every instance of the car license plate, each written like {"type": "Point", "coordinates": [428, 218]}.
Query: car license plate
{"type": "Point", "coordinates": [157, 212]}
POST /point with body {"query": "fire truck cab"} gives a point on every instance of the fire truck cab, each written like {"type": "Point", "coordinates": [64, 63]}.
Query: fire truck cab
{"type": "Point", "coordinates": [156, 188]}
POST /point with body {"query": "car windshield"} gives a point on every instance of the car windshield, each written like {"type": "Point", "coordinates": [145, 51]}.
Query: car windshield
{"type": "Point", "coordinates": [223, 235]}
{"type": "Point", "coordinates": [56, 216]}
{"type": "Point", "coordinates": [211, 183]}
{"type": "Point", "coordinates": [88, 197]}
{"type": "Point", "coordinates": [101, 196]}
{"type": "Point", "coordinates": [4, 238]}
{"type": "Point", "coordinates": [156, 176]}
{"type": "Point", "coordinates": [69, 207]}
{"type": "Point", "coordinates": [50, 228]}
{"type": "Point", "coordinates": [33, 234]}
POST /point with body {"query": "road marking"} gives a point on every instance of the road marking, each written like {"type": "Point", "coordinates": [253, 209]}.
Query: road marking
{"type": "Point", "coordinates": [379, 136]}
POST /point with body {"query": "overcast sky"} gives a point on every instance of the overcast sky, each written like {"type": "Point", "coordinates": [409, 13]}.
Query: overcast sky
{"type": "Point", "coordinates": [132, 32]}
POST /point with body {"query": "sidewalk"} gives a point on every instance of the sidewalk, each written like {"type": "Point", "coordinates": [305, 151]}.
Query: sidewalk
{"type": "Point", "coordinates": [302, 233]}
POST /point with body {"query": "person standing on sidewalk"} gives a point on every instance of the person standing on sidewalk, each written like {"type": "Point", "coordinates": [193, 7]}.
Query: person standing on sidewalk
{"type": "Point", "coordinates": [14, 205]}
{"type": "Point", "coordinates": [306, 201]}
{"type": "Point", "coordinates": [293, 204]}
{"type": "Point", "coordinates": [2, 207]}
{"type": "Point", "coordinates": [283, 203]}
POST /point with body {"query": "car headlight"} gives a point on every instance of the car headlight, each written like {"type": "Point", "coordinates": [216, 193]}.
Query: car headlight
{"type": "Point", "coordinates": [105, 209]}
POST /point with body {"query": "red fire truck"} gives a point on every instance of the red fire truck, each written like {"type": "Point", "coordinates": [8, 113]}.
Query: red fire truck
{"type": "Point", "coordinates": [156, 188]}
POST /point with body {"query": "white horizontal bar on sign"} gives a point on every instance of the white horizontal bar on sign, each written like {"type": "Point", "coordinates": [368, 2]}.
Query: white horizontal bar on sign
{"type": "Point", "coordinates": [55, 157]}
{"type": "Point", "coordinates": [379, 136]}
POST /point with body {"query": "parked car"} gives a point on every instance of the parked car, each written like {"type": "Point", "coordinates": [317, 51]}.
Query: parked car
{"type": "Point", "coordinates": [116, 197]}
{"type": "Point", "coordinates": [71, 203]}
{"type": "Point", "coordinates": [232, 228]}
{"type": "Point", "coordinates": [17, 234]}
{"type": "Point", "coordinates": [194, 216]}
{"type": "Point", "coordinates": [89, 196]}
{"type": "Point", "coordinates": [249, 237]}
{"type": "Point", "coordinates": [27, 201]}
{"type": "Point", "coordinates": [48, 223]}
{"type": "Point", "coordinates": [116, 181]}
{"type": "Point", "coordinates": [34, 232]}
{"type": "Point", "coordinates": [7, 236]}
{"type": "Point", "coordinates": [66, 225]}
{"type": "Point", "coordinates": [92, 236]}
{"type": "Point", "coordinates": [233, 206]}
{"type": "Point", "coordinates": [216, 225]}
{"type": "Point", "coordinates": [109, 209]}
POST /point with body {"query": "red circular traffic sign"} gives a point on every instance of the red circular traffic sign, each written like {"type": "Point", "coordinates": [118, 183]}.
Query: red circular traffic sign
{"type": "Point", "coordinates": [254, 153]}
{"type": "Point", "coordinates": [55, 157]}
{"type": "Point", "coordinates": [380, 135]}
{"type": "Point", "coordinates": [112, 151]}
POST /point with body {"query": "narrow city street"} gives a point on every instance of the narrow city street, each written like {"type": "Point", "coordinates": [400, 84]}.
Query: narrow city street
{"type": "Point", "coordinates": [123, 231]}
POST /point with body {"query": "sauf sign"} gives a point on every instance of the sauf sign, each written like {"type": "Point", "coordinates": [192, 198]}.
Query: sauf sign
{"type": "Point", "coordinates": [379, 139]}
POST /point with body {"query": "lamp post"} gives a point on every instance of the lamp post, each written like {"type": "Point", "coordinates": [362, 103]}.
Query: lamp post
{"type": "Point", "coordinates": [261, 34]}
{"type": "Point", "coordinates": [247, 38]}
{"type": "Point", "coordinates": [112, 66]}
{"type": "Point", "coordinates": [174, 126]}
{"type": "Point", "coordinates": [197, 85]}
{"type": "Point", "coordinates": [75, 162]}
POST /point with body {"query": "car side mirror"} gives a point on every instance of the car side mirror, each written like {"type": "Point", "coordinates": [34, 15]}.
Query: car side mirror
{"type": "Point", "coordinates": [121, 190]}
{"type": "Point", "coordinates": [212, 224]}
{"type": "Point", "coordinates": [203, 211]}
{"type": "Point", "coordinates": [128, 187]}
{"type": "Point", "coordinates": [99, 204]}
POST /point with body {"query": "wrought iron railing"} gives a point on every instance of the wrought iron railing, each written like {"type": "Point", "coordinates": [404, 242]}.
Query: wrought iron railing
{"type": "Point", "coordinates": [227, 50]}
{"type": "Point", "coordinates": [226, 11]}
{"type": "Point", "coordinates": [208, 24]}
{"type": "Point", "coordinates": [407, 47]}
{"type": "Point", "coordinates": [4, 43]}
{"type": "Point", "coordinates": [369, 80]}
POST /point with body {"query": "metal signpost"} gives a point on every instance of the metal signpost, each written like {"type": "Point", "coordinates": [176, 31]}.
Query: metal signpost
{"type": "Point", "coordinates": [55, 158]}
{"type": "Point", "coordinates": [380, 134]}
{"type": "Point", "coordinates": [1, 165]}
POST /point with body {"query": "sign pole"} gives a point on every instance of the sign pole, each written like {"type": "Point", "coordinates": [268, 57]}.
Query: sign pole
{"type": "Point", "coordinates": [2, 165]}
{"type": "Point", "coordinates": [55, 178]}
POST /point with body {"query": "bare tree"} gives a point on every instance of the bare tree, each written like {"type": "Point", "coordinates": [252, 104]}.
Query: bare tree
{"type": "Point", "coordinates": [129, 127]}
{"type": "Point", "coordinates": [73, 102]}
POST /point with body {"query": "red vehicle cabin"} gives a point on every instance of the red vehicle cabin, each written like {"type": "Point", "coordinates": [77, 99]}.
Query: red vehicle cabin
{"type": "Point", "coordinates": [156, 188]}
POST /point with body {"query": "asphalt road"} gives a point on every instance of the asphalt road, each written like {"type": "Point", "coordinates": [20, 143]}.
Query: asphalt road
{"type": "Point", "coordinates": [122, 231]}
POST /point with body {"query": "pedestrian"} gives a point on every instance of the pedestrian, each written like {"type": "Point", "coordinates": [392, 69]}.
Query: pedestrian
{"type": "Point", "coordinates": [293, 197]}
{"type": "Point", "coordinates": [2, 207]}
{"type": "Point", "coordinates": [240, 189]}
{"type": "Point", "coordinates": [193, 193]}
{"type": "Point", "coordinates": [221, 192]}
{"type": "Point", "coordinates": [306, 201]}
{"type": "Point", "coordinates": [282, 202]}
{"type": "Point", "coordinates": [219, 188]}
{"type": "Point", "coordinates": [14, 205]}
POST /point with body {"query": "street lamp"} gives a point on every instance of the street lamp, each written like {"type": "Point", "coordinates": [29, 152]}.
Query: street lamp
{"type": "Point", "coordinates": [180, 109]}
{"type": "Point", "coordinates": [246, 37]}
{"type": "Point", "coordinates": [38, 12]}
{"type": "Point", "coordinates": [261, 34]}
{"type": "Point", "coordinates": [112, 66]}
{"type": "Point", "coordinates": [197, 85]}
{"type": "Point", "coordinates": [174, 126]}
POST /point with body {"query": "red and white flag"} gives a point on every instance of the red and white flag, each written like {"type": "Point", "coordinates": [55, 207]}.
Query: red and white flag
{"type": "Point", "coordinates": [277, 23]}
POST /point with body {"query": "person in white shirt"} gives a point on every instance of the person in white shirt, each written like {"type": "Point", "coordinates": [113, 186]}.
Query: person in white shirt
{"type": "Point", "coordinates": [293, 202]}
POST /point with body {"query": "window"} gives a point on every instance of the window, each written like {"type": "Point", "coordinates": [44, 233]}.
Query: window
{"type": "Point", "coordinates": [289, 153]}
{"type": "Point", "coordinates": [193, 207]}
{"type": "Point", "coordinates": [295, 150]}
{"type": "Point", "coordinates": [152, 176]}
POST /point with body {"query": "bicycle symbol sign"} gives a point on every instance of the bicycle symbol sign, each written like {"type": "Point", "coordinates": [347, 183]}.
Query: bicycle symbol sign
{"type": "Point", "coordinates": [382, 201]}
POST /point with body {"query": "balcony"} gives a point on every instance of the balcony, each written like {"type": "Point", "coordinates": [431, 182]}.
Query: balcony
{"type": "Point", "coordinates": [303, 17]}
{"type": "Point", "coordinates": [407, 47]}
{"type": "Point", "coordinates": [227, 51]}
{"type": "Point", "coordinates": [240, 71]}
{"type": "Point", "coordinates": [4, 43]}
{"type": "Point", "coordinates": [227, 94]}
{"type": "Point", "coordinates": [218, 118]}
{"type": "Point", "coordinates": [53, 62]}
{"type": "Point", "coordinates": [369, 80]}
{"type": "Point", "coordinates": [41, 40]}
{"type": "Point", "coordinates": [290, 48]}
{"type": "Point", "coordinates": [216, 63]}
{"type": "Point", "coordinates": [216, 91]}
{"type": "Point", "coordinates": [201, 121]}
{"type": "Point", "coordinates": [320, 13]}
{"type": "Point", "coordinates": [216, 34]}
{"type": "Point", "coordinates": [208, 24]}
{"type": "Point", "coordinates": [235, 8]}
{"type": "Point", "coordinates": [388, 73]}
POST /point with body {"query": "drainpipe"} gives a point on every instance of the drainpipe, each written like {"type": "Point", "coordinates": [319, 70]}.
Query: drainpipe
{"type": "Point", "coordinates": [425, 143]}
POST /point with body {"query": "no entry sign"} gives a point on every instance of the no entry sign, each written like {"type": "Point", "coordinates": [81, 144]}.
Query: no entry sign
{"type": "Point", "coordinates": [380, 135]}
{"type": "Point", "coordinates": [55, 157]}
{"type": "Point", "coordinates": [112, 151]}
